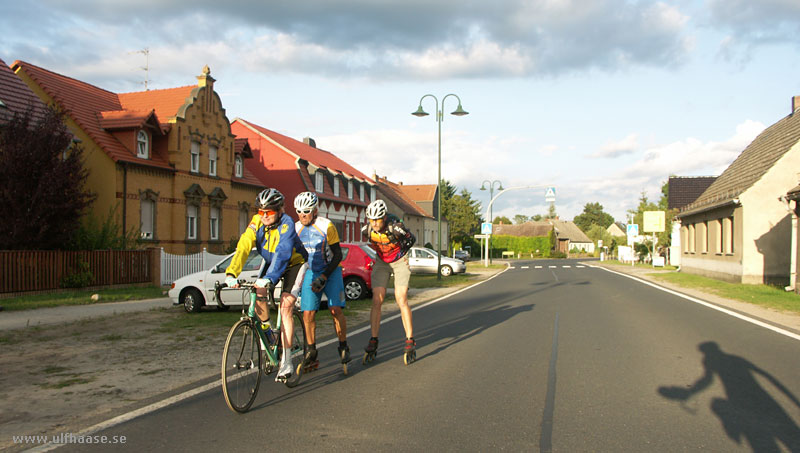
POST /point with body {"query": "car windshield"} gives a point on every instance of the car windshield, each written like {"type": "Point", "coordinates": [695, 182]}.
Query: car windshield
{"type": "Point", "coordinates": [253, 262]}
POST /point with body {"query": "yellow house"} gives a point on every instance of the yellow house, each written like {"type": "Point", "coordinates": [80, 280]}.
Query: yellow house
{"type": "Point", "coordinates": [164, 161]}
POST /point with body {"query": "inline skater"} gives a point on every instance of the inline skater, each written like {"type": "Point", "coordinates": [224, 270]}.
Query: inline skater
{"type": "Point", "coordinates": [272, 232]}
{"type": "Point", "coordinates": [391, 241]}
{"type": "Point", "coordinates": [321, 240]}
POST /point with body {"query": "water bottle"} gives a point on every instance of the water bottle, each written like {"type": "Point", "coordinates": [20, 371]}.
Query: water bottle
{"type": "Point", "coordinates": [266, 328]}
{"type": "Point", "coordinates": [251, 311]}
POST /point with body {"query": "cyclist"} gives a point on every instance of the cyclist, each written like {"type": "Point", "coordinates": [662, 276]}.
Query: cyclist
{"type": "Point", "coordinates": [391, 241]}
{"type": "Point", "coordinates": [321, 240]}
{"type": "Point", "coordinates": [272, 232]}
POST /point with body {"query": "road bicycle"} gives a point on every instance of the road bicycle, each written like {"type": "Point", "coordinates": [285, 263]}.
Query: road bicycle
{"type": "Point", "coordinates": [251, 349]}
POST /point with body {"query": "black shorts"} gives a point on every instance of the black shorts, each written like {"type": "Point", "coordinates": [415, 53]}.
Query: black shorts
{"type": "Point", "coordinates": [288, 278]}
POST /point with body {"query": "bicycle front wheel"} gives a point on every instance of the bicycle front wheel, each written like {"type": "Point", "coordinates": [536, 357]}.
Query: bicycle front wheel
{"type": "Point", "coordinates": [241, 366]}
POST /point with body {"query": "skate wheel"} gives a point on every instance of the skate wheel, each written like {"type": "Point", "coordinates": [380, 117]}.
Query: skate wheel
{"type": "Point", "coordinates": [344, 369]}
{"type": "Point", "coordinates": [366, 359]}
{"type": "Point", "coordinates": [409, 357]}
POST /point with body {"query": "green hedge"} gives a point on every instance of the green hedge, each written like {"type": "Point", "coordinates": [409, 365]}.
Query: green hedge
{"type": "Point", "coordinates": [524, 245]}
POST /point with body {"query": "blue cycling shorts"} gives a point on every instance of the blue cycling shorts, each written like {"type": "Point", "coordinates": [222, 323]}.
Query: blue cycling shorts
{"type": "Point", "coordinates": [334, 290]}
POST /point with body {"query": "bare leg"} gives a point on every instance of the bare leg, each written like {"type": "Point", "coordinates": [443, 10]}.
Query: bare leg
{"type": "Point", "coordinates": [309, 317]}
{"type": "Point", "coordinates": [287, 306]}
{"type": "Point", "coordinates": [378, 294]}
{"type": "Point", "coordinates": [401, 295]}
{"type": "Point", "coordinates": [339, 323]}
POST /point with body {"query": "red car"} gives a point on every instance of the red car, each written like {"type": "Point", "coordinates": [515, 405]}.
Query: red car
{"type": "Point", "coordinates": [357, 270]}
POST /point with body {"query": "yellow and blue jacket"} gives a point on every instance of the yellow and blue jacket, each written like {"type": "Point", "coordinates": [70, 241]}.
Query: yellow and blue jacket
{"type": "Point", "coordinates": [279, 246]}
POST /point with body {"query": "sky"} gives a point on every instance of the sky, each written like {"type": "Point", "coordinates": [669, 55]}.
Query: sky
{"type": "Point", "coordinates": [601, 99]}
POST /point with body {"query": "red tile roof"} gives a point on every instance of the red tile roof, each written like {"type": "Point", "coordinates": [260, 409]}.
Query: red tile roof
{"type": "Point", "coordinates": [83, 103]}
{"type": "Point", "coordinates": [124, 119]}
{"type": "Point", "coordinates": [16, 97]}
{"type": "Point", "coordinates": [395, 193]}
{"type": "Point", "coordinates": [420, 192]}
{"type": "Point", "coordinates": [167, 103]}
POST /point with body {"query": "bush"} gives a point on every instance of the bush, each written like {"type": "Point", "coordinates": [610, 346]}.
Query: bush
{"type": "Point", "coordinates": [80, 278]}
{"type": "Point", "coordinates": [521, 245]}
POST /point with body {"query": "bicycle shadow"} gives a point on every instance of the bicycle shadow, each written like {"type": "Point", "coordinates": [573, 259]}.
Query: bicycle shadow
{"type": "Point", "coordinates": [748, 412]}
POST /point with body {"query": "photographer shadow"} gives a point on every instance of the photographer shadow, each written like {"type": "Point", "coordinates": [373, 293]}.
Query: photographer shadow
{"type": "Point", "coordinates": [748, 411]}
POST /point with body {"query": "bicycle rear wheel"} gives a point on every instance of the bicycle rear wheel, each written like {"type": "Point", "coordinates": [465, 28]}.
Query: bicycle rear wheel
{"type": "Point", "coordinates": [299, 348]}
{"type": "Point", "coordinates": [241, 366]}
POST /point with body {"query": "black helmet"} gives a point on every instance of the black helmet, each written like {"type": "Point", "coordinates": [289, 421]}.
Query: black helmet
{"type": "Point", "coordinates": [269, 199]}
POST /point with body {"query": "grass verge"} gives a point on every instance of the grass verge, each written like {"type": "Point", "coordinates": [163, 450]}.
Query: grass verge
{"type": "Point", "coordinates": [763, 295]}
{"type": "Point", "coordinates": [81, 297]}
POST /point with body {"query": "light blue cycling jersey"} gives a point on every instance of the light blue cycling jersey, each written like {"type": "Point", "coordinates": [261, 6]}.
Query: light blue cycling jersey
{"type": "Point", "coordinates": [317, 239]}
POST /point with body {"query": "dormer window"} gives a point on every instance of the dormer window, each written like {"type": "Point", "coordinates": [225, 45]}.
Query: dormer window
{"type": "Point", "coordinates": [238, 166]}
{"type": "Point", "coordinates": [142, 145]}
{"type": "Point", "coordinates": [318, 182]}
{"type": "Point", "coordinates": [361, 191]}
{"type": "Point", "coordinates": [350, 189]}
{"type": "Point", "coordinates": [335, 186]}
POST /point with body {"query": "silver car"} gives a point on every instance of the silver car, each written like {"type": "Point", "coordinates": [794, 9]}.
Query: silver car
{"type": "Point", "coordinates": [423, 260]}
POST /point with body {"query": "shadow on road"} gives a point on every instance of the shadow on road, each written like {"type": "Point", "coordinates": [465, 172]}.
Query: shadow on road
{"type": "Point", "coordinates": [748, 411]}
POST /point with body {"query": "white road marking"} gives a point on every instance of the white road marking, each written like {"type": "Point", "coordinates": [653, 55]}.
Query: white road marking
{"type": "Point", "coordinates": [566, 267]}
{"type": "Point", "coordinates": [210, 386]}
{"type": "Point", "coordinates": [525, 267]}
{"type": "Point", "coordinates": [538, 267]}
{"type": "Point", "coordinates": [709, 305]}
{"type": "Point", "coordinates": [552, 267]}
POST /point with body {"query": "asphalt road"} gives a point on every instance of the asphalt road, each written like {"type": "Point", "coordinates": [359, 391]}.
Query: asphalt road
{"type": "Point", "coordinates": [558, 358]}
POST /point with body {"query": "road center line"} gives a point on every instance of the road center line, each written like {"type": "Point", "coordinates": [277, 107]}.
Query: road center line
{"type": "Point", "coordinates": [546, 439]}
{"type": "Point", "coordinates": [709, 305]}
{"type": "Point", "coordinates": [210, 386]}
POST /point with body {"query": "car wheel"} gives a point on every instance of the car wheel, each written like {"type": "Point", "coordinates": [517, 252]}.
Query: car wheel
{"type": "Point", "coordinates": [354, 288]}
{"type": "Point", "coordinates": [192, 300]}
{"type": "Point", "coordinates": [446, 271]}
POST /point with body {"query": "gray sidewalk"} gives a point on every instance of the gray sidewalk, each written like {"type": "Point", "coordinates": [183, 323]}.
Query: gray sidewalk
{"type": "Point", "coordinates": [70, 313]}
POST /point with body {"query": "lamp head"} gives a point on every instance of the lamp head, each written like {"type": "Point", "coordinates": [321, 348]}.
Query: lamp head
{"type": "Point", "coordinates": [483, 186]}
{"type": "Point", "coordinates": [501, 186]}
{"type": "Point", "coordinates": [460, 111]}
{"type": "Point", "coordinates": [420, 112]}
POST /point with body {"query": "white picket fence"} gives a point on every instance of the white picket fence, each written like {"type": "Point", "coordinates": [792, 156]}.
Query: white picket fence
{"type": "Point", "coordinates": [174, 267]}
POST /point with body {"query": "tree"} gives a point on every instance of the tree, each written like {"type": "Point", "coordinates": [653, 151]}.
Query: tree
{"type": "Point", "coordinates": [462, 213]}
{"type": "Point", "coordinates": [665, 237]}
{"type": "Point", "coordinates": [520, 219]}
{"type": "Point", "coordinates": [536, 217]}
{"type": "Point", "coordinates": [501, 219]}
{"type": "Point", "coordinates": [42, 195]}
{"type": "Point", "coordinates": [551, 212]}
{"type": "Point", "coordinates": [593, 214]}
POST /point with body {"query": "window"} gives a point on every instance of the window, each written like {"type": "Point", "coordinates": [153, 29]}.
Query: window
{"type": "Point", "coordinates": [720, 238]}
{"type": "Point", "coordinates": [704, 237]}
{"type": "Point", "coordinates": [212, 160]}
{"type": "Point", "coordinates": [244, 220]}
{"type": "Point", "coordinates": [728, 225]}
{"type": "Point", "coordinates": [361, 191]}
{"type": "Point", "coordinates": [191, 222]}
{"type": "Point", "coordinates": [213, 224]}
{"type": "Point", "coordinates": [372, 194]}
{"type": "Point", "coordinates": [692, 239]}
{"type": "Point", "coordinates": [350, 189]}
{"type": "Point", "coordinates": [318, 183]}
{"type": "Point", "coordinates": [195, 158]}
{"type": "Point", "coordinates": [238, 166]}
{"type": "Point", "coordinates": [335, 186]}
{"type": "Point", "coordinates": [142, 145]}
{"type": "Point", "coordinates": [148, 208]}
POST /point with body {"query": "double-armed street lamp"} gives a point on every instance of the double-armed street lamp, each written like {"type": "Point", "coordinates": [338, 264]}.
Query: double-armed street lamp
{"type": "Point", "coordinates": [491, 195]}
{"type": "Point", "coordinates": [439, 118]}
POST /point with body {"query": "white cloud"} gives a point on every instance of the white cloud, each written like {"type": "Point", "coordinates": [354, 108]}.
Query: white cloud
{"type": "Point", "coordinates": [627, 145]}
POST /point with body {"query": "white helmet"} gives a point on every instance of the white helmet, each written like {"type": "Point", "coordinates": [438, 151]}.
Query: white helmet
{"type": "Point", "coordinates": [376, 210]}
{"type": "Point", "coordinates": [305, 200]}
{"type": "Point", "coordinates": [269, 198]}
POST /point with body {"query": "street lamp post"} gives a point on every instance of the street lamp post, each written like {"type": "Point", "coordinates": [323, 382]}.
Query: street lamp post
{"type": "Point", "coordinates": [439, 118]}
{"type": "Point", "coordinates": [489, 209]}
{"type": "Point", "coordinates": [491, 194]}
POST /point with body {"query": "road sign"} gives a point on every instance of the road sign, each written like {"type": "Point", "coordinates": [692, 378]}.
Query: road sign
{"type": "Point", "coordinates": [633, 231]}
{"type": "Point", "coordinates": [550, 194]}
{"type": "Point", "coordinates": [486, 228]}
{"type": "Point", "coordinates": [654, 221]}
{"type": "Point", "coordinates": [482, 236]}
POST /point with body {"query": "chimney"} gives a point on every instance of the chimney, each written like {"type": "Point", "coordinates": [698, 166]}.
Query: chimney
{"type": "Point", "coordinates": [795, 103]}
{"type": "Point", "coordinates": [310, 142]}
{"type": "Point", "coordinates": [205, 80]}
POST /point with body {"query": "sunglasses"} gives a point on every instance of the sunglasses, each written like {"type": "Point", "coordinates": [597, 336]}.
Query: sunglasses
{"type": "Point", "coordinates": [267, 212]}
{"type": "Point", "coordinates": [304, 211]}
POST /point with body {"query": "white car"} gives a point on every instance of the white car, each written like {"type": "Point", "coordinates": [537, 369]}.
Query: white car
{"type": "Point", "coordinates": [197, 290]}
{"type": "Point", "coordinates": [423, 260]}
